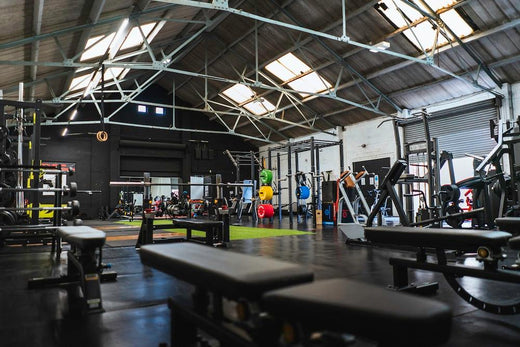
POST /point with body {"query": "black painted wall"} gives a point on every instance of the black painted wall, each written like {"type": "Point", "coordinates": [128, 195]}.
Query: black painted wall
{"type": "Point", "coordinates": [132, 150]}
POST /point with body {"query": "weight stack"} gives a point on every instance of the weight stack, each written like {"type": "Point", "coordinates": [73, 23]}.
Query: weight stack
{"type": "Point", "coordinates": [328, 191]}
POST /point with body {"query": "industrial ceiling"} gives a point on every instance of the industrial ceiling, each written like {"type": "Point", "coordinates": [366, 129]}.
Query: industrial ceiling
{"type": "Point", "coordinates": [371, 58]}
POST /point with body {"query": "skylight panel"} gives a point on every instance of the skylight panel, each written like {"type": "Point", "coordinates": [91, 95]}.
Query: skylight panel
{"type": "Point", "coordinates": [310, 83]}
{"type": "Point", "coordinates": [293, 64]}
{"type": "Point", "coordinates": [279, 71]}
{"type": "Point", "coordinates": [96, 47]}
{"type": "Point", "coordinates": [134, 37]}
{"type": "Point", "coordinates": [259, 106]}
{"type": "Point", "coordinates": [455, 22]}
{"type": "Point", "coordinates": [80, 82]}
{"type": "Point", "coordinates": [438, 4]}
{"type": "Point", "coordinates": [239, 93]}
{"type": "Point", "coordinates": [112, 72]}
{"type": "Point", "coordinates": [424, 33]}
{"type": "Point", "coordinates": [287, 67]}
{"type": "Point", "coordinates": [396, 15]}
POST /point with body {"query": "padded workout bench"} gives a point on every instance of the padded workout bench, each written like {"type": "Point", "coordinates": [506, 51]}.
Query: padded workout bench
{"type": "Point", "coordinates": [267, 292]}
{"type": "Point", "coordinates": [487, 244]}
{"type": "Point", "coordinates": [217, 232]}
{"type": "Point", "coordinates": [84, 268]}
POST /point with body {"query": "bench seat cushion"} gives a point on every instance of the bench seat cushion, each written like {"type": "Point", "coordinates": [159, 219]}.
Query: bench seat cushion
{"type": "Point", "coordinates": [457, 239]}
{"type": "Point", "coordinates": [361, 309]}
{"type": "Point", "coordinates": [83, 237]}
{"type": "Point", "coordinates": [233, 275]}
{"type": "Point", "coordinates": [509, 224]}
{"type": "Point", "coordinates": [514, 242]}
{"type": "Point", "coordinates": [196, 224]}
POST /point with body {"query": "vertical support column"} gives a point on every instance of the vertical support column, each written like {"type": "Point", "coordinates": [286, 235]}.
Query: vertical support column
{"type": "Point", "coordinates": [146, 191]}
{"type": "Point", "coordinates": [253, 180]}
{"type": "Point", "coordinates": [19, 180]}
{"type": "Point", "coordinates": [313, 185]}
{"type": "Point", "coordinates": [341, 157]}
{"type": "Point", "coordinates": [289, 179]}
{"type": "Point", "coordinates": [296, 170]}
{"type": "Point", "coordinates": [57, 198]}
{"type": "Point", "coordinates": [278, 175]}
{"type": "Point", "coordinates": [318, 179]}
{"type": "Point", "coordinates": [173, 101]}
{"type": "Point", "coordinates": [35, 182]}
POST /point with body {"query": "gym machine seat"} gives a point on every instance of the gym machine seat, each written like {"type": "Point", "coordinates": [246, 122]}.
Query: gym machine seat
{"type": "Point", "coordinates": [344, 305]}
{"type": "Point", "coordinates": [84, 268]}
{"type": "Point", "coordinates": [509, 224]}
{"type": "Point", "coordinates": [457, 239]}
{"type": "Point", "coordinates": [488, 245]}
{"type": "Point", "coordinates": [270, 290]}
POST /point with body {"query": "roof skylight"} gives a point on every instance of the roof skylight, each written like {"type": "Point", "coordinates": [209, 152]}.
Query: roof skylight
{"type": "Point", "coordinates": [80, 82]}
{"type": "Point", "coordinates": [424, 34]}
{"type": "Point", "coordinates": [246, 98]}
{"type": "Point", "coordinates": [298, 75]}
{"type": "Point", "coordinates": [239, 93]}
{"type": "Point", "coordinates": [97, 46]}
{"type": "Point", "coordinates": [259, 106]}
{"type": "Point", "coordinates": [134, 37]}
{"type": "Point", "coordinates": [310, 83]}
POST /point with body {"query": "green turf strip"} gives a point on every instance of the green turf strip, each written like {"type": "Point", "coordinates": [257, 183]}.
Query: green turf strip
{"type": "Point", "coordinates": [235, 232]}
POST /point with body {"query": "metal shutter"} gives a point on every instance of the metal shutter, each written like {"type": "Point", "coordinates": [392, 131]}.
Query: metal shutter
{"type": "Point", "coordinates": [459, 130]}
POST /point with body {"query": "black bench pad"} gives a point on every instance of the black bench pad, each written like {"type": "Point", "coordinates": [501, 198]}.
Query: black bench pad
{"type": "Point", "coordinates": [82, 236]}
{"type": "Point", "coordinates": [509, 224]}
{"type": "Point", "coordinates": [196, 224]}
{"type": "Point", "coordinates": [362, 309]}
{"type": "Point", "coordinates": [459, 239]}
{"type": "Point", "coordinates": [233, 275]}
{"type": "Point", "coordinates": [514, 242]}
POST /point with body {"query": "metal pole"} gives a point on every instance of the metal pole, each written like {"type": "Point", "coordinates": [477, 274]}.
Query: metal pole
{"type": "Point", "coordinates": [36, 159]}
{"type": "Point", "coordinates": [318, 179]}
{"type": "Point", "coordinates": [313, 190]}
{"type": "Point", "coordinates": [19, 180]}
{"type": "Point", "coordinates": [289, 178]}
{"type": "Point", "coordinates": [278, 174]}
{"type": "Point", "coordinates": [429, 150]}
{"type": "Point", "coordinates": [296, 170]}
{"type": "Point", "coordinates": [341, 157]}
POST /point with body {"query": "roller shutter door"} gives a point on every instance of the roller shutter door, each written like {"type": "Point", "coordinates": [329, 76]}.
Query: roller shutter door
{"type": "Point", "coordinates": [459, 130]}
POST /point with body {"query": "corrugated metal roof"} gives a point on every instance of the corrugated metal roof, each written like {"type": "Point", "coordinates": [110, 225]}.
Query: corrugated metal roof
{"type": "Point", "coordinates": [228, 47]}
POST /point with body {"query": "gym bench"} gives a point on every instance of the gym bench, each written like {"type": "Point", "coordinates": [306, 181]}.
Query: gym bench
{"type": "Point", "coordinates": [489, 246]}
{"type": "Point", "coordinates": [84, 268]}
{"type": "Point", "coordinates": [269, 294]}
{"type": "Point", "coordinates": [217, 232]}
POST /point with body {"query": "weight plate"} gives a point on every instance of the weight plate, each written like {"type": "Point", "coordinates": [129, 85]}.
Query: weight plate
{"type": "Point", "coordinates": [265, 193]}
{"type": "Point", "coordinates": [6, 198]}
{"type": "Point", "coordinates": [265, 211]}
{"type": "Point", "coordinates": [266, 177]}
{"type": "Point", "coordinates": [303, 192]}
{"type": "Point", "coordinates": [7, 218]}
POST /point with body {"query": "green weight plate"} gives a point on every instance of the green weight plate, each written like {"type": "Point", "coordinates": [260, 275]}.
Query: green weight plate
{"type": "Point", "coordinates": [266, 176]}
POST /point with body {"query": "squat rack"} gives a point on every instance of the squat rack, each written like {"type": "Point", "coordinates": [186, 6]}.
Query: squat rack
{"type": "Point", "coordinates": [313, 145]}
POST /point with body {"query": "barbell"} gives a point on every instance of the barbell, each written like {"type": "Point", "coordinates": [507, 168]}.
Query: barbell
{"type": "Point", "coordinates": [72, 206]}
{"type": "Point", "coordinates": [71, 189]}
